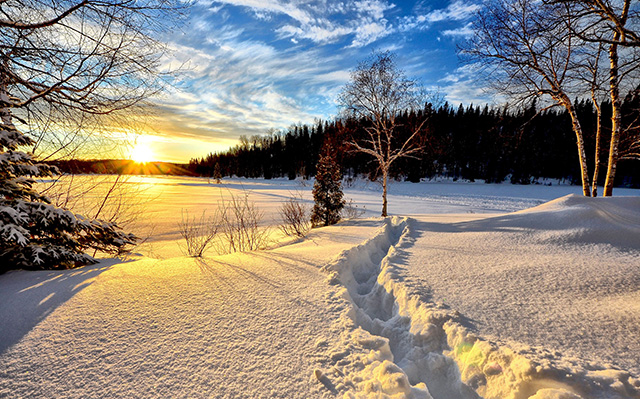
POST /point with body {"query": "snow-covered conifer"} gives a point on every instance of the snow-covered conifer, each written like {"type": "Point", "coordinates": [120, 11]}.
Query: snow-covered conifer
{"type": "Point", "coordinates": [33, 233]}
{"type": "Point", "coordinates": [327, 190]}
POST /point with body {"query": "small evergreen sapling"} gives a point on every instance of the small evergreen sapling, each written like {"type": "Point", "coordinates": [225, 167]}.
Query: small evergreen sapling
{"type": "Point", "coordinates": [217, 173]}
{"type": "Point", "coordinates": [33, 233]}
{"type": "Point", "coordinates": [327, 191]}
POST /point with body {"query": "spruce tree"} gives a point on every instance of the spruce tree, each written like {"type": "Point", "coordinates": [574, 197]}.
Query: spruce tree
{"type": "Point", "coordinates": [33, 233]}
{"type": "Point", "coordinates": [217, 173]}
{"type": "Point", "coordinates": [327, 190]}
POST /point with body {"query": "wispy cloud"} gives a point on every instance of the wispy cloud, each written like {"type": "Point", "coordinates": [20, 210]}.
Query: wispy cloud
{"type": "Point", "coordinates": [234, 86]}
{"type": "Point", "coordinates": [253, 65]}
{"type": "Point", "coordinates": [458, 10]}
{"type": "Point", "coordinates": [463, 86]}
{"type": "Point", "coordinates": [324, 22]}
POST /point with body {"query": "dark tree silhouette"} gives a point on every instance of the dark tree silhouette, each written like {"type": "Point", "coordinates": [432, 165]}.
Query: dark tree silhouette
{"type": "Point", "coordinates": [327, 191]}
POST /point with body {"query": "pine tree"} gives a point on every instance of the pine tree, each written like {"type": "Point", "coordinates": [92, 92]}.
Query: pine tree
{"type": "Point", "coordinates": [217, 173]}
{"type": "Point", "coordinates": [33, 233]}
{"type": "Point", "coordinates": [327, 191]}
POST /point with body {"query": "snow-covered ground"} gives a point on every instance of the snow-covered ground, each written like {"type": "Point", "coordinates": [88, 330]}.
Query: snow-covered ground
{"type": "Point", "coordinates": [470, 290]}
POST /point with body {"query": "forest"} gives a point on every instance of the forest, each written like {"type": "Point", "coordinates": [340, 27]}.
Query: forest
{"type": "Point", "coordinates": [475, 142]}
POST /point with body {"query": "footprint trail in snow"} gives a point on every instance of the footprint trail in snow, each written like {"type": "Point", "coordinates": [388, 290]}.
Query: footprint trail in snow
{"type": "Point", "coordinates": [386, 349]}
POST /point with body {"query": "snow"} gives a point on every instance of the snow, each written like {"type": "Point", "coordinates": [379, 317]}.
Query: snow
{"type": "Point", "coordinates": [471, 290]}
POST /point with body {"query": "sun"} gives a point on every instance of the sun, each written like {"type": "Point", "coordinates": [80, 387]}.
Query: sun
{"type": "Point", "coordinates": [141, 153]}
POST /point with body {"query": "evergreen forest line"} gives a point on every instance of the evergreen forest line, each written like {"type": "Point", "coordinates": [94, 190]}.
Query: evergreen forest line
{"type": "Point", "coordinates": [471, 143]}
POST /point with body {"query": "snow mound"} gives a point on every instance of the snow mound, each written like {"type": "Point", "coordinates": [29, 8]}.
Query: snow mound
{"type": "Point", "coordinates": [574, 219]}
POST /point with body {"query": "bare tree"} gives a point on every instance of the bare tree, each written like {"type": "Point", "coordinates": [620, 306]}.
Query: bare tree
{"type": "Point", "coordinates": [379, 92]}
{"type": "Point", "coordinates": [530, 53]}
{"type": "Point", "coordinates": [614, 24]}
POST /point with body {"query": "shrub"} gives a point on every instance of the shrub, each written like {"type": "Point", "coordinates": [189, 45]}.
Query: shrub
{"type": "Point", "coordinates": [199, 234]}
{"type": "Point", "coordinates": [294, 215]}
{"type": "Point", "coordinates": [351, 211]}
{"type": "Point", "coordinates": [240, 222]}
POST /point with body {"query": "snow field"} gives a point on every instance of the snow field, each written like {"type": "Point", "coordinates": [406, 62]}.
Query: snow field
{"type": "Point", "coordinates": [455, 301]}
{"type": "Point", "coordinates": [251, 325]}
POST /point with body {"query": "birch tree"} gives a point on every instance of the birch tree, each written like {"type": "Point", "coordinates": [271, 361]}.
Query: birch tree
{"type": "Point", "coordinates": [613, 23]}
{"type": "Point", "coordinates": [530, 53]}
{"type": "Point", "coordinates": [595, 80]}
{"type": "Point", "coordinates": [378, 92]}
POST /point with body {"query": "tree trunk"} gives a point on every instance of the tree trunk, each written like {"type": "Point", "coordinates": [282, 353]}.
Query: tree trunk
{"type": "Point", "coordinates": [577, 128]}
{"type": "Point", "coordinates": [5, 110]}
{"type": "Point", "coordinates": [616, 117]}
{"type": "Point", "coordinates": [385, 177]}
{"type": "Point", "coordinates": [596, 169]}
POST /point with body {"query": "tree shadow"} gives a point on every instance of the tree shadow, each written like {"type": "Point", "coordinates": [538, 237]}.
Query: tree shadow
{"type": "Point", "coordinates": [324, 380]}
{"type": "Point", "coordinates": [28, 297]}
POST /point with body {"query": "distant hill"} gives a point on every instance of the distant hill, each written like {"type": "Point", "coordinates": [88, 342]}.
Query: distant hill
{"type": "Point", "coordinates": [119, 166]}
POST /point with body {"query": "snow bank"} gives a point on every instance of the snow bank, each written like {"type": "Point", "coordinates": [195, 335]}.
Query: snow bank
{"type": "Point", "coordinates": [611, 220]}
{"type": "Point", "coordinates": [396, 343]}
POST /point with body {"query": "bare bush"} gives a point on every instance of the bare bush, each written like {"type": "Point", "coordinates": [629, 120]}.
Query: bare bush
{"type": "Point", "coordinates": [199, 234]}
{"type": "Point", "coordinates": [240, 223]}
{"type": "Point", "coordinates": [295, 217]}
{"type": "Point", "coordinates": [351, 211]}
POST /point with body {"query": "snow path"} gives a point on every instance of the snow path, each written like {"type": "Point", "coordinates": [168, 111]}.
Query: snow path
{"type": "Point", "coordinates": [240, 325]}
{"type": "Point", "coordinates": [389, 348]}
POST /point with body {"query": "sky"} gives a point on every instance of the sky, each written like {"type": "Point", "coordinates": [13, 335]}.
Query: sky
{"type": "Point", "coordinates": [250, 66]}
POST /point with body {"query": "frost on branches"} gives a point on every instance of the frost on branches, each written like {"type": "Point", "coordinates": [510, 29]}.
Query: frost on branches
{"type": "Point", "coordinates": [327, 191]}
{"type": "Point", "coordinates": [33, 233]}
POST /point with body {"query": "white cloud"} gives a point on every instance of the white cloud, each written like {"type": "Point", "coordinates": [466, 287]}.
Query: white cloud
{"type": "Point", "coordinates": [261, 7]}
{"type": "Point", "coordinates": [370, 32]}
{"type": "Point", "coordinates": [374, 8]}
{"type": "Point", "coordinates": [463, 86]}
{"type": "Point", "coordinates": [236, 86]}
{"type": "Point", "coordinates": [456, 11]}
{"type": "Point", "coordinates": [464, 31]}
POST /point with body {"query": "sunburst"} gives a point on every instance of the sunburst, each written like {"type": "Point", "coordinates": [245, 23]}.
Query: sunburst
{"type": "Point", "coordinates": [141, 153]}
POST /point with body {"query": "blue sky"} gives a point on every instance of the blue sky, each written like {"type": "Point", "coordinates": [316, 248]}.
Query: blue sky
{"type": "Point", "coordinates": [252, 65]}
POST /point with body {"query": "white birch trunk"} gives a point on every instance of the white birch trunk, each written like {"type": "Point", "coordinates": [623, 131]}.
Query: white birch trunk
{"type": "Point", "coordinates": [577, 128]}
{"type": "Point", "coordinates": [616, 117]}
{"type": "Point", "coordinates": [385, 178]}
